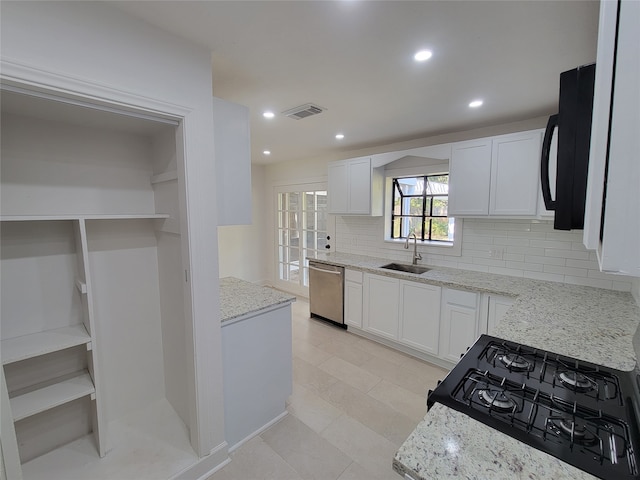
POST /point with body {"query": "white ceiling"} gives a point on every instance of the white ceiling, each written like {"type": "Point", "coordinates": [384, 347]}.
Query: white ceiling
{"type": "Point", "coordinates": [355, 58]}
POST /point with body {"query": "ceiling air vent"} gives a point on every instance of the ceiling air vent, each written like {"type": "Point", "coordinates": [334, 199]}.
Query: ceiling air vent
{"type": "Point", "coordinates": [303, 111]}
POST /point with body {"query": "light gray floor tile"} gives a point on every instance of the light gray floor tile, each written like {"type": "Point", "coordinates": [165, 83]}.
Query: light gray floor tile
{"type": "Point", "coordinates": [362, 444]}
{"type": "Point", "coordinates": [312, 456]}
{"type": "Point", "coordinates": [255, 460]}
{"type": "Point", "coordinates": [311, 377]}
{"type": "Point", "coordinates": [379, 417]}
{"type": "Point", "coordinates": [400, 399]}
{"type": "Point", "coordinates": [308, 407]}
{"type": "Point", "coordinates": [349, 373]}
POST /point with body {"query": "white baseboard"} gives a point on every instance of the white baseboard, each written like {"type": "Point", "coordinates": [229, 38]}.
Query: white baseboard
{"type": "Point", "coordinates": [206, 466]}
{"type": "Point", "coordinates": [258, 432]}
{"type": "Point", "coordinates": [402, 348]}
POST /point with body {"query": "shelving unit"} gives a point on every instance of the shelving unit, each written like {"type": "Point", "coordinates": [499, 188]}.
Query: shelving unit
{"type": "Point", "coordinates": [87, 256]}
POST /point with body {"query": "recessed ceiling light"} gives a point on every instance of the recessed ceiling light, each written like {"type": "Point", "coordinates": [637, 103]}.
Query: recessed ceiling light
{"type": "Point", "coordinates": [475, 104]}
{"type": "Point", "coordinates": [268, 114]}
{"type": "Point", "coordinates": [339, 136]}
{"type": "Point", "coordinates": [422, 55]}
{"type": "Point", "coordinates": [266, 152]}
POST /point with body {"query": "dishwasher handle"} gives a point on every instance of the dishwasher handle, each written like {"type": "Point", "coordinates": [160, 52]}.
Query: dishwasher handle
{"type": "Point", "coordinates": [325, 271]}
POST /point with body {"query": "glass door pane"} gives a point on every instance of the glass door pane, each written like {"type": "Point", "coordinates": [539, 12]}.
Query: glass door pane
{"type": "Point", "coordinates": [302, 232]}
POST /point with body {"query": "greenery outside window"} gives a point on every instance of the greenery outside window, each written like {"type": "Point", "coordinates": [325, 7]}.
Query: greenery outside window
{"type": "Point", "coordinates": [420, 206]}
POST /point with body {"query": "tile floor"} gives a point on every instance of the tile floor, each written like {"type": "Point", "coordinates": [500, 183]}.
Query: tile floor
{"type": "Point", "coordinates": [354, 403]}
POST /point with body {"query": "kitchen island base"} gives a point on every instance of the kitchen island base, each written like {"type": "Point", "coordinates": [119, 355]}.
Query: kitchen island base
{"type": "Point", "coordinates": [258, 372]}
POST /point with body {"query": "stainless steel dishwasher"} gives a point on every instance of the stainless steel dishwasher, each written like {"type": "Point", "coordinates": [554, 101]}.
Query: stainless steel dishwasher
{"type": "Point", "coordinates": [326, 292]}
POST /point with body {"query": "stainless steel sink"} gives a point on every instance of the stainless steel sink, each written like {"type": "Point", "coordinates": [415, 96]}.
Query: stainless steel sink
{"type": "Point", "coordinates": [401, 267]}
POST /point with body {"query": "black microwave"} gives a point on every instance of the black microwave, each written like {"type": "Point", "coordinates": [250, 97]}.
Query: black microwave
{"type": "Point", "coordinates": [572, 125]}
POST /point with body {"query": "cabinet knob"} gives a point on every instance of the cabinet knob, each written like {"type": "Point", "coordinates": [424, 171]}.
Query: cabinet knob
{"type": "Point", "coordinates": [327, 246]}
{"type": "Point", "coordinates": [328, 237]}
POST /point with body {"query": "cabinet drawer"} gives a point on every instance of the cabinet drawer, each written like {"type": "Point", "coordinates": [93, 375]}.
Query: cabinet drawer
{"type": "Point", "coordinates": [460, 297]}
{"type": "Point", "coordinates": [353, 276]}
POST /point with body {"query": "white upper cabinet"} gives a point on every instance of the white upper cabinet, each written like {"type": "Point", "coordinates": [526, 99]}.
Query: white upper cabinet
{"type": "Point", "coordinates": [233, 162]}
{"type": "Point", "coordinates": [497, 176]}
{"type": "Point", "coordinates": [355, 188]}
{"type": "Point", "coordinates": [515, 174]}
{"type": "Point", "coordinates": [470, 177]}
{"type": "Point", "coordinates": [612, 228]}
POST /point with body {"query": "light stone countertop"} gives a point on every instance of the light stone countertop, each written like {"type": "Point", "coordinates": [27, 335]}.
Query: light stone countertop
{"type": "Point", "coordinates": [587, 323]}
{"type": "Point", "coordinates": [448, 444]}
{"type": "Point", "coordinates": [590, 324]}
{"type": "Point", "coordinates": [239, 298]}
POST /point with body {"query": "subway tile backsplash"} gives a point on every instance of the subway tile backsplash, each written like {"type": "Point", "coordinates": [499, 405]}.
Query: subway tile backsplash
{"type": "Point", "coordinates": [520, 248]}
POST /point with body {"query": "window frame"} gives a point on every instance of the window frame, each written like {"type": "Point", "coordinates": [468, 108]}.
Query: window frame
{"type": "Point", "coordinates": [424, 216]}
{"type": "Point", "coordinates": [429, 168]}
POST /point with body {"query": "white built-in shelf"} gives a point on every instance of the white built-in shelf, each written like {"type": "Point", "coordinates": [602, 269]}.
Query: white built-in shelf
{"type": "Point", "coordinates": [164, 177]}
{"type": "Point", "coordinates": [26, 218]}
{"type": "Point", "coordinates": [31, 403]}
{"type": "Point", "coordinates": [41, 343]}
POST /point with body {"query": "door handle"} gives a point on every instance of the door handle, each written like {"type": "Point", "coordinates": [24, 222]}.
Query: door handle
{"type": "Point", "coordinates": [325, 271]}
{"type": "Point", "coordinates": [544, 163]}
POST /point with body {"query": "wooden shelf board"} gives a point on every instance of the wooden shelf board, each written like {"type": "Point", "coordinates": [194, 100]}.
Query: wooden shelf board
{"type": "Point", "coordinates": [38, 401]}
{"type": "Point", "coordinates": [28, 346]}
{"type": "Point", "coordinates": [26, 218]}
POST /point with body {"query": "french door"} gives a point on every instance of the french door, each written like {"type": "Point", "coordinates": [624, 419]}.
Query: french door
{"type": "Point", "coordinates": [301, 232]}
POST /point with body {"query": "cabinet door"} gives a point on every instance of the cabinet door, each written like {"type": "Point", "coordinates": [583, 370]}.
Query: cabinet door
{"type": "Point", "coordinates": [338, 188]}
{"type": "Point", "coordinates": [498, 306]}
{"type": "Point", "coordinates": [515, 174]}
{"type": "Point", "coordinates": [420, 316]}
{"type": "Point", "coordinates": [353, 304]}
{"type": "Point", "coordinates": [360, 186]}
{"type": "Point", "coordinates": [458, 323]}
{"type": "Point", "coordinates": [233, 162]}
{"type": "Point", "coordinates": [381, 305]}
{"type": "Point", "coordinates": [470, 178]}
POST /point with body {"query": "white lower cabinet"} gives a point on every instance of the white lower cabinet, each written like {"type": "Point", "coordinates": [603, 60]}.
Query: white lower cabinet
{"type": "Point", "coordinates": [381, 300]}
{"type": "Point", "coordinates": [353, 298]}
{"type": "Point", "coordinates": [458, 323]}
{"type": "Point", "coordinates": [440, 322]}
{"type": "Point", "coordinates": [420, 316]}
{"type": "Point", "coordinates": [498, 306]}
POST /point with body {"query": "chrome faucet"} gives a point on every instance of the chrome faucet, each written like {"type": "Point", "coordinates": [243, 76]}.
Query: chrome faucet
{"type": "Point", "coordinates": [416, 255]}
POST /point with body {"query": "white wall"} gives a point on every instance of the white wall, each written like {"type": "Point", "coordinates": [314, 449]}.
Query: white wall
{"type": "Point", "coordinates": [241, 248]}
{"type": "Point", "coordinates": [72, 169]}
{"type": "Point", "coordinates": [96, 43]}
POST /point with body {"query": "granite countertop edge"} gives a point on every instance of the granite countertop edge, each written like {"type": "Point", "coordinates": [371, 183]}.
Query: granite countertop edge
{"type": "Point", "coordinates": [239, 298]}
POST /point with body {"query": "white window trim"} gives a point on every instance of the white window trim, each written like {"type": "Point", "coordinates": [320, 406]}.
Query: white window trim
{"type": "Point", "coordinates": [435, 248]}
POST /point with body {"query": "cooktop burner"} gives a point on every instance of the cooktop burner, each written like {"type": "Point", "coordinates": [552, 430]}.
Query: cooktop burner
{"type": "Point", "coordinates": [515, 362]}
{"type": "Point", "coordinates": [496, 400]}
{"type": "Point", "coordinates": [570, 409]}
{"type": "Point", "coordinates": [574, 431]}
{"type": "Point", "coordinates": [577, 381]}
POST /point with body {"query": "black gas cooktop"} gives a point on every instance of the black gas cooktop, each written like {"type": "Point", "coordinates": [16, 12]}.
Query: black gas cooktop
{"type": "Point", "coordinates": [581, 413]}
